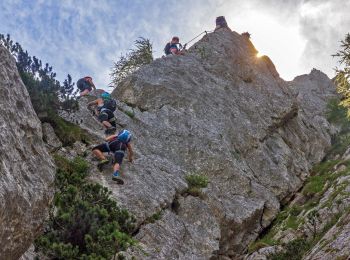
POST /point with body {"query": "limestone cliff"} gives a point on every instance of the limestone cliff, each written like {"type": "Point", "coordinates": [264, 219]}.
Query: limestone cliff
{"type": "Point", "coordinates": [26, 169]}
{"type": "Point", "coordinates": [222, 112]}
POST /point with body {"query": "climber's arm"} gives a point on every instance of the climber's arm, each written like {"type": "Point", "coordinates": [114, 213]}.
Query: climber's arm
{"type": "Point", "coordinates": [110, 138]}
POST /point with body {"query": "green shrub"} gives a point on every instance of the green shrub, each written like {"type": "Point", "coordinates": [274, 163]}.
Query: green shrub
{"type": "Point", "coordinates": [292, 222]}
{"type": "Point", "coordinates": [281, 216]}
{"type": "Point", "coordinates": [156, 216]}
{"type": "Point", "coordinates": [45, 91]}
{"type": "Point", "coordinates": [324, 167]}
{"type": "Point", "coordinates": [129, 113]}
{"type": "Point", "coordinates": [295, 210]}
{"type": "Point", "coordinates": [195, 183]}
{"type": "Point", "coordinates": [67, 132]}
{"type": "Point", "coordinates": [141, 55]}
{"type": "Point", "coordinates": [314, 185]}
{"type": "Point", "coordinates": [342, 74]}
{"type": "Point", "coordinates": [197, 180]}
{"type": "Point", "coordinates": [85, 223]}
{"type": "Point", "coordinates": [337, 114]}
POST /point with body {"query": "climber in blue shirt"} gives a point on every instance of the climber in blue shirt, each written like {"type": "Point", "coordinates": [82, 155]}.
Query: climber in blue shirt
{"type": "Point", "coordinates": [118, 145]}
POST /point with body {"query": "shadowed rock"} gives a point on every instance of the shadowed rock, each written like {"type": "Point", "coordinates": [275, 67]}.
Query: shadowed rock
{"type": "Point", "coordinates": [26, 169]}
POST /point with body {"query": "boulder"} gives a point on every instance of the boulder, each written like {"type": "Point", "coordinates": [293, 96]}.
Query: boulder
{"type": "Point", "coordinates": [52, 141]}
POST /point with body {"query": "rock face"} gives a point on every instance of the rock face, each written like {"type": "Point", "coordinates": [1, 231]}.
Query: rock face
{"type": "Point", "coordinates": [26, 169]}
{"type": "Point", "coordinates": [53, 143]}
{"type": "Point", "coordinates": [224, 113]}
{"type": "Point", "coordinates": [335, 244]}
{"type": "Point", "coordinates": [321, 216]}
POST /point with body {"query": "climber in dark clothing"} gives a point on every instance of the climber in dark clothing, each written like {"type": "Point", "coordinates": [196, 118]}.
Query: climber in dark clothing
{"type": "Point", "coordinates": [105, 106]}
{"type": "Point", "coordinates": [118, 145]}
{"type": "Point", "coordinates": [85, 85]}
{"type": "Point", "coordinates": [173, 47]}
{"type": "Point", "coordinates": [220, 23]}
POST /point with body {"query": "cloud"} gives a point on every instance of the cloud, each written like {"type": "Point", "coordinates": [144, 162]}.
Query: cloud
{"type": "Point", "coordinates": [323, 25]}
{"type": "Point", "coordinates": [84, 37]}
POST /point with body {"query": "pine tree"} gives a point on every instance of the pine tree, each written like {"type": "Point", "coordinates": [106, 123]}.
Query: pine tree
{"type": "Point", "coordinates": [85, 222]}
{"type": "Point", "coordinates": [46, 92]}
{"type": "Point", "coordinates": [141, 55]}
{"type": "Point", "coordinates": [343, 75]}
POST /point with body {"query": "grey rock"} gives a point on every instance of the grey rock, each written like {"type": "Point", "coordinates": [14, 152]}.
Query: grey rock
{"type": "Point", "coordinates": [221, 112]}
{"type": "Point", "coordinates": [26, 168]}
{"type": "Point", "coordinates": [50, 138]}
{"type": "Point", "coordinates": [181, 235]}
{"type": "Point", "coordinates": [335, 244]}
{"type": "Point", "coordinates": [288, 235]}
{"type": "Point", "coordinates": [264, 253]}
{"type": "Point", "coordinates": [331, 220]}
{"type": "Point", "coordinates": [29, 254]}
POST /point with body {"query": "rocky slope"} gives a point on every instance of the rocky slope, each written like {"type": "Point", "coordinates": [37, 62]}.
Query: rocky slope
{"type": "Point", "coordinates": [224, 113]}
{"type": "Point", "coordinates": [318, 218]}
{"type": "Point", "coordinates": [315, 224]}
{"type": "Point", "coordinates": [26, 169]}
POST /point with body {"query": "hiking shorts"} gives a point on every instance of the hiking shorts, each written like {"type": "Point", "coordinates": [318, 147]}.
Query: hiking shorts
{"type": "Point", "coordinates": [118, 155]}
{"type": "Point", "coordinates": [82, 85]}
{"type": "Point", "coordinates": [107, 115]}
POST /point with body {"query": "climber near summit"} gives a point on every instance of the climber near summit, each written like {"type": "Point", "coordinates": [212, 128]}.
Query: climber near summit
{"type": "Point", "coordinates": [85, 85]}
{"type": "Point", "coordinates": [220, 23]}
{"type": "Point", "coordinates": [105, 106]}
{"type": "Point", "coordinates": [174, 47]}
{"type": "Point", "coordinates": [117, 144]}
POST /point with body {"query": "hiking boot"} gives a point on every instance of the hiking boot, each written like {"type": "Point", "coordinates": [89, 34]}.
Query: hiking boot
{"type": "Point", "coordinates": [116, 178]}
{"type": "Point", "coordinates": [102, 163]}
{"type": "Point", "coordinates": [115, 174]}
{"type": "Point", "coordinates": [110, 130]}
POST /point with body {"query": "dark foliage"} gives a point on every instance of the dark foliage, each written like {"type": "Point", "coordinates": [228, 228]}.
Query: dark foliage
{"type": "Point", "coordinates": [343, 75]}
{"type": "Point", "coordinates": [46, 92]}
{"type": "Point", "coordinates": [85, 223]}
{"type": "Point", "coordinates": [132, 61]}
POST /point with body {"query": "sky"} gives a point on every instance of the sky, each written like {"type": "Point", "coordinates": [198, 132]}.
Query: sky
{"type": "Point", "coordinates": [85, 37]}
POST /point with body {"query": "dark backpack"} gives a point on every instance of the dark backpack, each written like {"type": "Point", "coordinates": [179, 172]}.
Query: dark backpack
{"type": "Point", "coordinates": [110, 104]}
{"type": "Point", "coordinates": [167, 49]}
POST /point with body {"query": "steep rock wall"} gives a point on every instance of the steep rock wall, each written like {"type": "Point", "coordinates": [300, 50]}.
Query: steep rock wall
{"type": "Point", "coordinates": [222, 112]}
{"type": "Point", "coordinates": [26, 168]}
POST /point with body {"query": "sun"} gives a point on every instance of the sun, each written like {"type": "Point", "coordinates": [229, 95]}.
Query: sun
{"type": "Point", "coordinates": [259, 55]}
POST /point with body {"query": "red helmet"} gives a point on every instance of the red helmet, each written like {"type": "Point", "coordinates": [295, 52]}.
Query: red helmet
{"type": "Point", "coordinates": [87, 77]}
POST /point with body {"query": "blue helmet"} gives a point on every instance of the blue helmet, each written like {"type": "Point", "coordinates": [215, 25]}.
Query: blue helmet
{"type": "Point", "coordinates": [124, 136]}
{"type": "Point", "coordinates": [105, 95]}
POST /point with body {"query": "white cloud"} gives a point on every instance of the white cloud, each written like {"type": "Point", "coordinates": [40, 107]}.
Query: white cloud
{"type": "Point", "coordinates": [85, 37]}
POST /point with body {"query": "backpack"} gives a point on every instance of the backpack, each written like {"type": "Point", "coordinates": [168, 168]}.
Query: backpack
{"type": "Point", "coordinates": [167, 49]}
{"type": "Point", "coordinates": [110, 104]}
